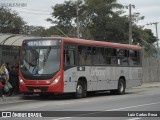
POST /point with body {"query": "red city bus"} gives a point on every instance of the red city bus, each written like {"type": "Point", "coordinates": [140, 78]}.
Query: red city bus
{"type": "Point", "coordinates": [78, 66]}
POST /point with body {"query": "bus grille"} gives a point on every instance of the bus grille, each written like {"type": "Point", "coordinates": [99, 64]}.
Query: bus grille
{"type": "Point", "coordinates": [43, 89]}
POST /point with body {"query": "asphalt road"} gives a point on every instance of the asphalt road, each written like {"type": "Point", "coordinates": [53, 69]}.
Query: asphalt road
{"type": "Point", "coordinates": [141, 102]}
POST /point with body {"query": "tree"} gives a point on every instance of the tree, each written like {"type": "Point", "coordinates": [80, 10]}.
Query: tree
{"type": "Point", "coordinates": [104, 22]}
{"type": "Point", "coordinates": [64, 14]}
{"type": "Point", "coordinates": [56, 31]}
{"type": "Point", "coordinates": [33, 30]}
{"type": "Point", "coordinates": [146, 39]}
{"type": "Point", "coordinates": [99, 20]}
{"type": "Point", "coordinates": [10, 22]}
{"type": "Point", "coordinates": [89, 12]}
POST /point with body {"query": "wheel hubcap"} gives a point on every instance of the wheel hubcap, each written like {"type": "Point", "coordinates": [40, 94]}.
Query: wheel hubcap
{"type": "Point", "coordinates": [79, 89]}
{"type": "Point", "coordinates": [121, 87]}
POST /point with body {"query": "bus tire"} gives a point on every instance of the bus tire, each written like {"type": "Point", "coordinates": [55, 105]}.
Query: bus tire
{"type": "Point", "coordinates": [80, 90]}
{"type": "Point", "coordinates": [121, 87]}
{"type": "Point", "coordinates": [85, 89]}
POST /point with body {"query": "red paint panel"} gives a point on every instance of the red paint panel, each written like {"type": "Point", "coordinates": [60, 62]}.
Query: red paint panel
{"type": "Point", "coordinates": [101, 43]}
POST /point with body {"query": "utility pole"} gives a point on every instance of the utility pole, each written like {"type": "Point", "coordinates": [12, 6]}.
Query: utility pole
{"type": "Point", "coordinates": [77, 19]}
{"type": "Point", "coordinates": [130, 23]}
{"type": "Point", "coordinates": [156, 23]}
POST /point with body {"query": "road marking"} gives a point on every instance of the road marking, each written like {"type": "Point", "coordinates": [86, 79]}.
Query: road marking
{"type": "Point", "coordinates": [134, 106]}
{"type": "Point", "coordinates": [62, 118]}
{"type": "Point", "coordinates": [134, 119]}
{"type": "Point", "coordinates": [110, 110]}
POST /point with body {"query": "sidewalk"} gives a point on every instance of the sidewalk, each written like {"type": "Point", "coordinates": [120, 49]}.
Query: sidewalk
{"type": "Point", "coordinates": [149, 85]}
{"type": "Point", "coordinates": [19, 97]}
{"type": "Point", "coordinates": [10, 98]}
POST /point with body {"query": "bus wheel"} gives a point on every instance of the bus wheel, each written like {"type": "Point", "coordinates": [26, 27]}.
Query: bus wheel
{"type": "Point", "coordinates": [121, 88]}
{"type": "Point", "coordinates": [80, 90]}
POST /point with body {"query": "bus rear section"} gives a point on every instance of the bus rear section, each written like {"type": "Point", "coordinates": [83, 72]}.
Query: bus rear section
{"type": "Point", "coordinates": [40, 66]}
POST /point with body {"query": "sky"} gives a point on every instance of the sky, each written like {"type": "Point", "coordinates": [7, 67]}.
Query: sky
{"type": "Point", "coordinates": [35, 12]}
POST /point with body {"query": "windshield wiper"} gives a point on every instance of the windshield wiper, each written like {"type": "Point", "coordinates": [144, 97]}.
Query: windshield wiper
{"type": "Point", "coordinates": [47, 54]}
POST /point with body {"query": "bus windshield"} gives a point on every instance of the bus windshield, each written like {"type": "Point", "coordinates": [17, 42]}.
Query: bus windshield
{"type": "Point", "coordinates": [40, 60]}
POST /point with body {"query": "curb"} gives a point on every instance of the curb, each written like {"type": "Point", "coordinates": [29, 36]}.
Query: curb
{"type": "Point", "coordinates": [149, 85]}
{"type": "Point", "coordinates": [10, 99]}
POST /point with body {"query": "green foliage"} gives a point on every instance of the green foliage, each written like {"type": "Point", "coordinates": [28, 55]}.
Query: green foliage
{"type": "Point", "coordinates": [10, 22]}
{"type": "Point", "coordinates": [113, 29]}
{"type": "Point", "coordinates": [33, 30]}
{"type": "Point", "coordinates": [64, 13]}
{"type": "Point", "coordinates": [143, 36]}
{"type": "Point", "coordinates": [146, 39]}
{"type": "Point", "coordinates": [93, 14]}
{"type": "Point", "coordinates": [58, 30]}
{"type": "Point", "coordinates": [101, 8]}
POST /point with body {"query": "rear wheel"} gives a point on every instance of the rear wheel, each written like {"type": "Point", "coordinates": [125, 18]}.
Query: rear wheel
{"type": "Point", "coordinates": [121, 87]}
{"type": "Point", "coordinates": [81, 90]}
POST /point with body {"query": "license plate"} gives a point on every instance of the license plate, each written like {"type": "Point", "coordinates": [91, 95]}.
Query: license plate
{"type": "Point", "coordinates": [37, 90]}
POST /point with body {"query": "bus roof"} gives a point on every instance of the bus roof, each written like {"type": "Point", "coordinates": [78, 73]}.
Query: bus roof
{"type": "Point", "coordinates": [100, 43]}
{"type": "Point", "coordinates": [91, 42]}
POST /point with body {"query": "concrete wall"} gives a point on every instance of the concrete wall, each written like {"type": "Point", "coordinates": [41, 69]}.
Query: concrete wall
{"type": "Point", "coordinates": [151, 70]}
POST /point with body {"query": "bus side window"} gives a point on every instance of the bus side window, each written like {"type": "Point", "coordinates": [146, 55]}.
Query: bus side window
{"type": "Point", "coordinates": [122, 56]}
{"type": "Point", "coordinates": [134, 58]}
{"type": "Point", "coordinates": [81, 55]}
{"type": "Point", "coordinates": [69, 58]}
{"type": "Point", "coordinates": [89, 55]}
{"type": "Point", "coordinates": [95, 56]}
{"type": "Point", "coordinates": [101, 56]}
{"type": "Point", "coordinates": [108, 56]}
{"type": "Point", "coordinates": [114, 60]}
{"type": "Point", "coordinates": [85, 55]}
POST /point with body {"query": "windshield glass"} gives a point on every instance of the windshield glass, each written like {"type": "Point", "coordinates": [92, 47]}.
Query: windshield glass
{"type": "Point", "coordinates": [40, 61]}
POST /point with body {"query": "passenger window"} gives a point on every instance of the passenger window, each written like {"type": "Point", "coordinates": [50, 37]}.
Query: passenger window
{"type": "Point", "coordinates": [98, 56]}
{"type": "Point", "coordinates": [85, 55]}
{"type": "Point", "coordinates": [134, 58]}
{"type": "Point", "coordinates": [108, 56]}
{"type": "Point", "coordinates": [111, 58]}
{"type": "Point", "coordinates": [122, 56]}
{"type": "Point", "coordinates": [69, 58]}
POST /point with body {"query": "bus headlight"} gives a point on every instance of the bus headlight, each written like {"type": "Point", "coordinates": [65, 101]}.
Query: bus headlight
{"type": "Point", "coordinates": [21, 81]}
{"type": "Point", "coordinates": [56, 80]}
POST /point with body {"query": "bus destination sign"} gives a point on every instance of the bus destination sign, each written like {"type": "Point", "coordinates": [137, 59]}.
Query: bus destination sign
{"type": "Point", "coordinates": [43, 43]}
